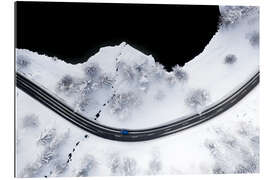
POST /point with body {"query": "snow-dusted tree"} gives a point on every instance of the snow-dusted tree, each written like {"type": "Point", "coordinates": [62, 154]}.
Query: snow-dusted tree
{"type": "Point", "coordinates": [230, 59]}
{"type": "Point", "coordinates": [158, 71]}
{"type": "Point", "coordinates": [87, 165]}
{"type": "Point", "coordinates": [92, 70]}
{"type": "Point", "coordinates": [218, 169]}
{"type": "Point", "coordinates": [87, 88]}
{"type": "Point", "coordinates": [179, 73]}
{"type": "Point", "coordinates": [254, 38]}
{"type": "Point", "coordinates": [52, 147]}
{"type": "Point", "coordinates": [124, 166]}
{"type": "Point", "coordinates": [22, 62]}
{"type": "Point", "coordinates": [115, 164]}
{"type": "Point", "coordinates": [155, 165]}
{"type": "Point", "coordinates": [59, 167]}
{"type": "Point", "coordinates": [129, 166]}
{"type": "Point", "coordinates": [47, 136]}
{"type": "Point", "coordinates": [84, 103]}
{"type": "Point", "coordinates": [212, 147]}
{"type": "Point", "coordinates": [47, 155]}
{"type": "Point", "coordinates": [139, 68]}
{"type": "Point", "coordinates": [219, 166]}
{"type": "Point", "coordinates": [197, 99]}
{"type": "Point", "coordinates": [65, 84]}
{"type": "Point", "coordinates": [30, 121]}
{"type": "Point", "coordinates": [84, 95]}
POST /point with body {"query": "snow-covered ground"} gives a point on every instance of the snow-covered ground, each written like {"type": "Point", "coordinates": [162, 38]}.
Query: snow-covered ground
{"type": "Point", "coordinates": [229, 143]}
{"type": "Point", "coordinates": [141, 94]}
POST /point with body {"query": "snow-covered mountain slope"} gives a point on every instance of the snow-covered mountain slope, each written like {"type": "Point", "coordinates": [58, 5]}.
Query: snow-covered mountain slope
{"type": "Point", "coordinates": [135, 84]}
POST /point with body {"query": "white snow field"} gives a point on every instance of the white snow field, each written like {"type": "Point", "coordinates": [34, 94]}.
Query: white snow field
{"type": "Point", "coordinates": [145, 95]}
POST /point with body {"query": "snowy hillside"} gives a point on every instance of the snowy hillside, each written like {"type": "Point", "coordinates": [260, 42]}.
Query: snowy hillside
{"type": "Point", "coordinates": [124, 88]}
{"type": "Point", "coordinates": [134, 83]}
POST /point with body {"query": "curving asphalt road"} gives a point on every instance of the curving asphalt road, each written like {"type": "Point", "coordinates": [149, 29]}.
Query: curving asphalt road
{"type": "Point", "coordinates": [134, 134]}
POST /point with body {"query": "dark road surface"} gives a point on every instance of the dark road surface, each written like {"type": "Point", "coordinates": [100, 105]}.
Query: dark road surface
{"type": "Point", "coordinates": [132, 135]}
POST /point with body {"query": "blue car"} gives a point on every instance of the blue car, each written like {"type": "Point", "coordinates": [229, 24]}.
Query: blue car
{"type": "Point", "coordinates": [124, 132]}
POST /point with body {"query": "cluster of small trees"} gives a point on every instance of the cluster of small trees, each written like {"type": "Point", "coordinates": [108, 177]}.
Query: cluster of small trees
{"type": "Point", "coordinates": [82, 89]}
{"type": "Point", "coordinates": [51, 145]}
{"type": "Point", "coordinates": [139, 76]}
{"type": "Point", "coordinates": [144, 74]}
{"type": "Point", "coordinates": [125, 166]}
{"type": "Point", "coordinates": [123, 103]}
{"type": "Point", "coordinates": [245, 148]}
{"type": "Point", "coordinates": [230, 15]}
{"type": "Point", "coordinates": [50, 157]}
